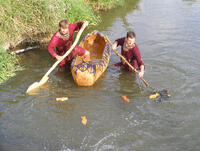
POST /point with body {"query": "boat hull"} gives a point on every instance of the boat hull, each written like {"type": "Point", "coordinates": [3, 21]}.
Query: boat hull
{"type": "Point", "coordinates": [87, 73]}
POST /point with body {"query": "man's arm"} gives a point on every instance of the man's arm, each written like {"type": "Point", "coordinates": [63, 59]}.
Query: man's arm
{"type": "Point", "coordinates": [77, 26]}
{"type": "Point", "coordinates": [52, 46]}
{"type": "Point", "coordinates": [118, 42]}
{"type": "Point", "coordinates": [114, 46]}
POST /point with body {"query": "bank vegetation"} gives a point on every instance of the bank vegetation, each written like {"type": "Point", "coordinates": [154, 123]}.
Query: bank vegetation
{"type": "Point", "coordinates": [32, 20]}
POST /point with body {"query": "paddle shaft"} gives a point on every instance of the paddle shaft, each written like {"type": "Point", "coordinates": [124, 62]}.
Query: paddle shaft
{"type": "Point", "coordinates": [124, 59]}
{"type": "Point", "coordinates": [68, 52]}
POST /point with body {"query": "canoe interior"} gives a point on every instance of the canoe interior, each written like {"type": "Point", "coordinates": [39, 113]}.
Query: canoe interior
{"type": "Point", "coordinates": [95, 44]}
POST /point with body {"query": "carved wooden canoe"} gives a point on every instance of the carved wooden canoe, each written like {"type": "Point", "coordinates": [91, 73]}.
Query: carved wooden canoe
{"type": "Point", "coordinates": [87, 73]}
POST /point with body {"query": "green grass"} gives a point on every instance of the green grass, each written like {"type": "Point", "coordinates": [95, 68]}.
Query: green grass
{"type": "Point", "coordinates": [25, 18]}
{"type": "Point", "coordinates": [99, 5]}
{"type": "Point", "coordinates": [8, 65]}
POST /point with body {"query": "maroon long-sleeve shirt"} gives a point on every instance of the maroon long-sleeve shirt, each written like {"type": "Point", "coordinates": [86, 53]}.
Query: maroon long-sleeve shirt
{"type": "Point", "coordinates": [132, 56]}
{"type": "Point", "coordinates": [61, 45]}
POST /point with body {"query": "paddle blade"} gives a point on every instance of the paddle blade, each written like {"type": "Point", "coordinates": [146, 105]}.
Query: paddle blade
{"type": "Point", "coordinates": [32, 87]}
{"type": "Point", "coordinates": [36, 85]}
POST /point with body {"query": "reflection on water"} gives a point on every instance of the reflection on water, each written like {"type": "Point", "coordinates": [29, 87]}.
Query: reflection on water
{"type": "Point", "coordinates": [110, 16]}
{"type": "Point", "coordinates": [10, 103]}
{"type": "Point", "coordinates": [127, 84]}
{"type": "Point", "coordinates": [168, 38]}
{"type": "Point", "coordinates": [1, 113]}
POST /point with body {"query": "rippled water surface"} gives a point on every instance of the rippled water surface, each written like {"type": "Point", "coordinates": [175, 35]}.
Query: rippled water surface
{"type": "Point", "coordinates": [168, 36]}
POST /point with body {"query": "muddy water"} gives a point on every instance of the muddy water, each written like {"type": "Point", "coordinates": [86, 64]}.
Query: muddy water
{"type": "Point", "coordinates": [168, 37]}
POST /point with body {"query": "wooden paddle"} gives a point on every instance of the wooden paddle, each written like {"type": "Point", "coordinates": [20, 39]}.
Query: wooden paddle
{"type": "Point", "coordinates": [145, 82]}
{"type": "Point", "coordinates": [45, 78]}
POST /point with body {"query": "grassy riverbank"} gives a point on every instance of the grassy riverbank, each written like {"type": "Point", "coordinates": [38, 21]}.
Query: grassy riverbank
{"type": "Point", "coordinates": [102, 5]}
{"type": "Point", "coordinates": [8, 65]}
{"type": "Point", "coordinates": [30, 20]}
{"type": "Point", "coordinates": [27, 19]}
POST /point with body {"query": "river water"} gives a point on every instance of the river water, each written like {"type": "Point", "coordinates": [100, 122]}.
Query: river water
{"type": "Point", "coordinates": [168, 36]}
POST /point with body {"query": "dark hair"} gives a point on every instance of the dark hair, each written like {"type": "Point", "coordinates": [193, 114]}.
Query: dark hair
{"type": "Point", "coordinates": [63, 23]}
{"type": "Point", "coordinates": [130, 34]}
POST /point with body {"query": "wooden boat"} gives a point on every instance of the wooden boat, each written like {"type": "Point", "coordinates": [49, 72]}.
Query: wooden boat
{"type": "Point", "coordinates": [87, 73]}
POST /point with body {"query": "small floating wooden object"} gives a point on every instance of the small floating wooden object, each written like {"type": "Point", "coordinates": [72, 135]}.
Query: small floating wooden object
{"type": "Point", "coordinates": [153, 96]}
{"type": "Point", "coordinates": [127, 100]}
{"type": "Point", "coordinates": [62, 99]}
{"type": "Point", "coordinates": [87, 73]}
{"type": "Point", "coordinates": [83, 120]}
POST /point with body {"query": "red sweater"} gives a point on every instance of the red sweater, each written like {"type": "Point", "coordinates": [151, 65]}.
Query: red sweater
{"type": "Point", "coordinates": [61, 45]}
{"type": "Point", "coordinates": [132, 56]}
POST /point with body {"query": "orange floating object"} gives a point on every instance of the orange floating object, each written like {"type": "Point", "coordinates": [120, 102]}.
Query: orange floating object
{"type": "Point", "coordinates": [62, 99]}
{"type": "Point", "coordinates": [84, 120]}
{"type": "Point", "coordinates": [127, 100]}
{"type": "Point", "coordinates": [153, 96]}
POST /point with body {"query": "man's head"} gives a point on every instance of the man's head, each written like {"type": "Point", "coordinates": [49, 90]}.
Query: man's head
{"type": "Point", "coordinates": [63, 24]}
{"type": "Point", "coordinates": [130, 38]}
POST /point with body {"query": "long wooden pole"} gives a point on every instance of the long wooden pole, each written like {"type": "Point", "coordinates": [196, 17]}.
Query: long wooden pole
{"type": "Point", "coordinates": [124, 59]}
{"type": "Point", "coordinates": [45, 77]}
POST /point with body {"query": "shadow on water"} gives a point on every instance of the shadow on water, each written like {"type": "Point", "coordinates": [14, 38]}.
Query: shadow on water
{"type": "Point", "coordinates": [1, 113]}
{"type": "Point", "coordinates": [127, 84]}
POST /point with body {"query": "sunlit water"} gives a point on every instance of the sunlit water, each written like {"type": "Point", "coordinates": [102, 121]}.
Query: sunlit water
{"type": "Point", "coordinates": [168, 36]}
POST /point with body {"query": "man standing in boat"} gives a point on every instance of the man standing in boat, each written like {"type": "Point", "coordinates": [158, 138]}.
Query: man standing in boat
{"type": "Point", "coordinates": [62, 40]}
{"type": "Point", "coordinates": [130, 51]}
